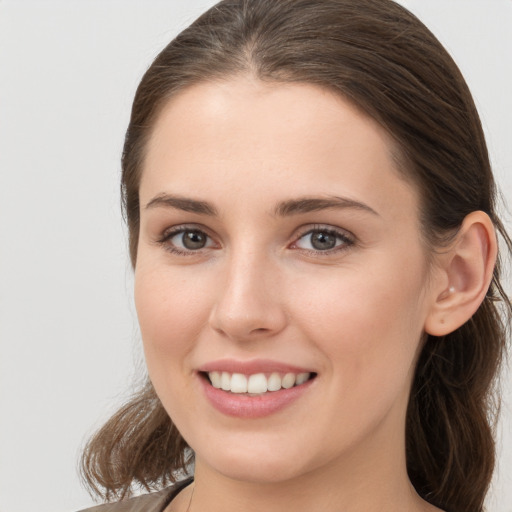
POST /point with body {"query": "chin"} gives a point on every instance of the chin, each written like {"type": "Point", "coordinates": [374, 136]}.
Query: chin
{"type": "Point", "coordinates": [258, 469]}
{"type": "Point", "coordinates": [259, 459]}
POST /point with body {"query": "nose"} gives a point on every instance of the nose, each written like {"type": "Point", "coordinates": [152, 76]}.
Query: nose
{"type": "Point", "coordinates": [248, 304]}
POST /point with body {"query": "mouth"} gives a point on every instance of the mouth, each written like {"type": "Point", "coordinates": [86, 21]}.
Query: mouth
{"type": "Point", "coordinates": [256, 384]}
{"type": "Point", "coordinates": [254, 389]}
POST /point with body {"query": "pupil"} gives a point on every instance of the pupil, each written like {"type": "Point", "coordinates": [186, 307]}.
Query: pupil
{"type": "Point", "coordinates": [323, 241]}
{"type": "Point", "coordinates": [194, 240]}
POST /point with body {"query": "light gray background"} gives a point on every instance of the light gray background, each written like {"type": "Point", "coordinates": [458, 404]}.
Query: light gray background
{"type": "Point", "coordinates": [70, 348]}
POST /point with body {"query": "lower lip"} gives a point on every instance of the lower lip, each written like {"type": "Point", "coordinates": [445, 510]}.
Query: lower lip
{"type": "Point", "coordinates": [242, 405]}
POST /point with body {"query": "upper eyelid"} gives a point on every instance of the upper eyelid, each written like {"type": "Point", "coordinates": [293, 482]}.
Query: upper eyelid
{"type": "Point", "coordinates": [324, 227]}
{"type": "Point", "coordinates": [180, 228]}
{"type": "Point", "coordinates": [300, 231]}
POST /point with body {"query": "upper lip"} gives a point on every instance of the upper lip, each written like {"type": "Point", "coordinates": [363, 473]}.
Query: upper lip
{"type": "Point", "coordinates": [251, 367]}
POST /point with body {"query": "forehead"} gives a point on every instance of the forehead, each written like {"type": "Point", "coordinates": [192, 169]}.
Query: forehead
{"type": "Point", "coordinates": [271, 138]}
{"type": "Point", "coordinates": [269, 110]}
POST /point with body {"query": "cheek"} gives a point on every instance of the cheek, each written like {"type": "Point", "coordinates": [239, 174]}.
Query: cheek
{"type": "Point", "coordinates": [171, 314]}
{"type": "Point", "coordinates": [368, 325]}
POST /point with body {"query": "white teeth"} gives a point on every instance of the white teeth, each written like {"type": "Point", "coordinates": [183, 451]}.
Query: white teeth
{"type": "Point", "coordinates": [257, 383]}
{"type": "Point", "coordinates": [216, 379]}
{"type": "Point", "coordinates": [274, 382]}
{"type": "Point", "coordinates": [288, 381]}
{"type": "Point", "coordinates": [301, 378]}
{"type": "Point", "coordinates": [238, 383]}
{"type": "Point", "coordinates": [225, 381]}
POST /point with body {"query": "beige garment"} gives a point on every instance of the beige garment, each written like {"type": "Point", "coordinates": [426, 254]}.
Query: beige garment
{"type": "Point", "coordinates": [153, 502]}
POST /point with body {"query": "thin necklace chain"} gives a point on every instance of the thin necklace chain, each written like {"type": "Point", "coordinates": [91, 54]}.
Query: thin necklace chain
{"type": "Point", "coordinates": [191, 496]}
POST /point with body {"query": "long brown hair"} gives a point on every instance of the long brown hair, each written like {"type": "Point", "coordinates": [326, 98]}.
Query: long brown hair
{"type": "Point", "coordinates": [383, 59]}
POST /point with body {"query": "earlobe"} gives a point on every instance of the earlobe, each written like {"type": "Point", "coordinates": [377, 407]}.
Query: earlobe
{"type": "Point", "coordinates": [467, 267]}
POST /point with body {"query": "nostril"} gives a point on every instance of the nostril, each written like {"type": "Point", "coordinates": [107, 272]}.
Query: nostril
{"type": "Point", "coordinates": [243, 315]}
{"type": "Point", "coordinates": [260, 330]}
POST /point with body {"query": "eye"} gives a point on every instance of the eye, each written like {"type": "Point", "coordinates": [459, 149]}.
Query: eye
{"type": "Point", "coordinates": [324, 240]}
{"type": "Point", "coordinates": [183, 240]}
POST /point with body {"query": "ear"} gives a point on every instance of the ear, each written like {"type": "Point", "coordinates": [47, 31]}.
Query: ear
{"type": "Point", "coordinates": [465, 273]}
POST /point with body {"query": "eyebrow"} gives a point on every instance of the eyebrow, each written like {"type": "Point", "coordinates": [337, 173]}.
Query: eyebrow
{"type": "Point", "coordinates": [183, 203]}
{"type": "Point", "coordinates": [282, 209]}
{"type": "Point", "coordinates": [313, 204]}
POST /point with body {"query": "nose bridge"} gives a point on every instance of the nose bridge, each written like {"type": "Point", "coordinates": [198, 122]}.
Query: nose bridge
{"type": "Point", "coordinates": [248, 302]}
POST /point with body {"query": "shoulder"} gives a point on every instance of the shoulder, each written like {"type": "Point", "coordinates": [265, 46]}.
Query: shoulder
{"type": "Point", "coordinates": [152, 502]}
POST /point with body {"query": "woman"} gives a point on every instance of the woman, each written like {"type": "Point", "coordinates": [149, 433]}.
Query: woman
{"type": "Point", "coordinates": [313, 232]}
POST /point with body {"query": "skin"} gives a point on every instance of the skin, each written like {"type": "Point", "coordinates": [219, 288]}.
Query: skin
{"type": "Point", "coordinates": [356, 316]}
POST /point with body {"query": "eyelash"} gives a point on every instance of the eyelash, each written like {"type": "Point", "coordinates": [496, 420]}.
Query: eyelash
{"type": "Point", "coordinates": [172, 232]}
{"type": "Point", "coordinates": [347, 240]}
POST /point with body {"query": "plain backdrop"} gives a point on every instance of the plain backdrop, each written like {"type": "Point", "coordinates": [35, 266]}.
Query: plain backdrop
{"type": "Point", "coordinates": [70, 348]}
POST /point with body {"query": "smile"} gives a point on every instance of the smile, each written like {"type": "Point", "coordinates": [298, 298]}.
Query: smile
{"type": "Point", "coordinates": [254, 389]}
{"type": "Point", "coordinates": [257, 383]}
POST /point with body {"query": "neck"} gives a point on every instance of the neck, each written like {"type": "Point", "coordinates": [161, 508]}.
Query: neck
{"type": "Point", "coordinates": [375, 481]}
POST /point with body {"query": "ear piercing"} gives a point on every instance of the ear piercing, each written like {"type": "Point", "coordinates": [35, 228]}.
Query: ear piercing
{"type": "Point", "coordinates": [446, 293]}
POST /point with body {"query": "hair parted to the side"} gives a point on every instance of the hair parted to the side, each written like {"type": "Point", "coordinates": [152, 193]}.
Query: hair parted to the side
{"type": "Point", "coordinates": [384, 60]}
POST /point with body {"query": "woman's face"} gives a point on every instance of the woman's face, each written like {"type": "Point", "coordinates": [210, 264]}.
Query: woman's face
{"type": "Point", "coordinates": [278, 243]}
